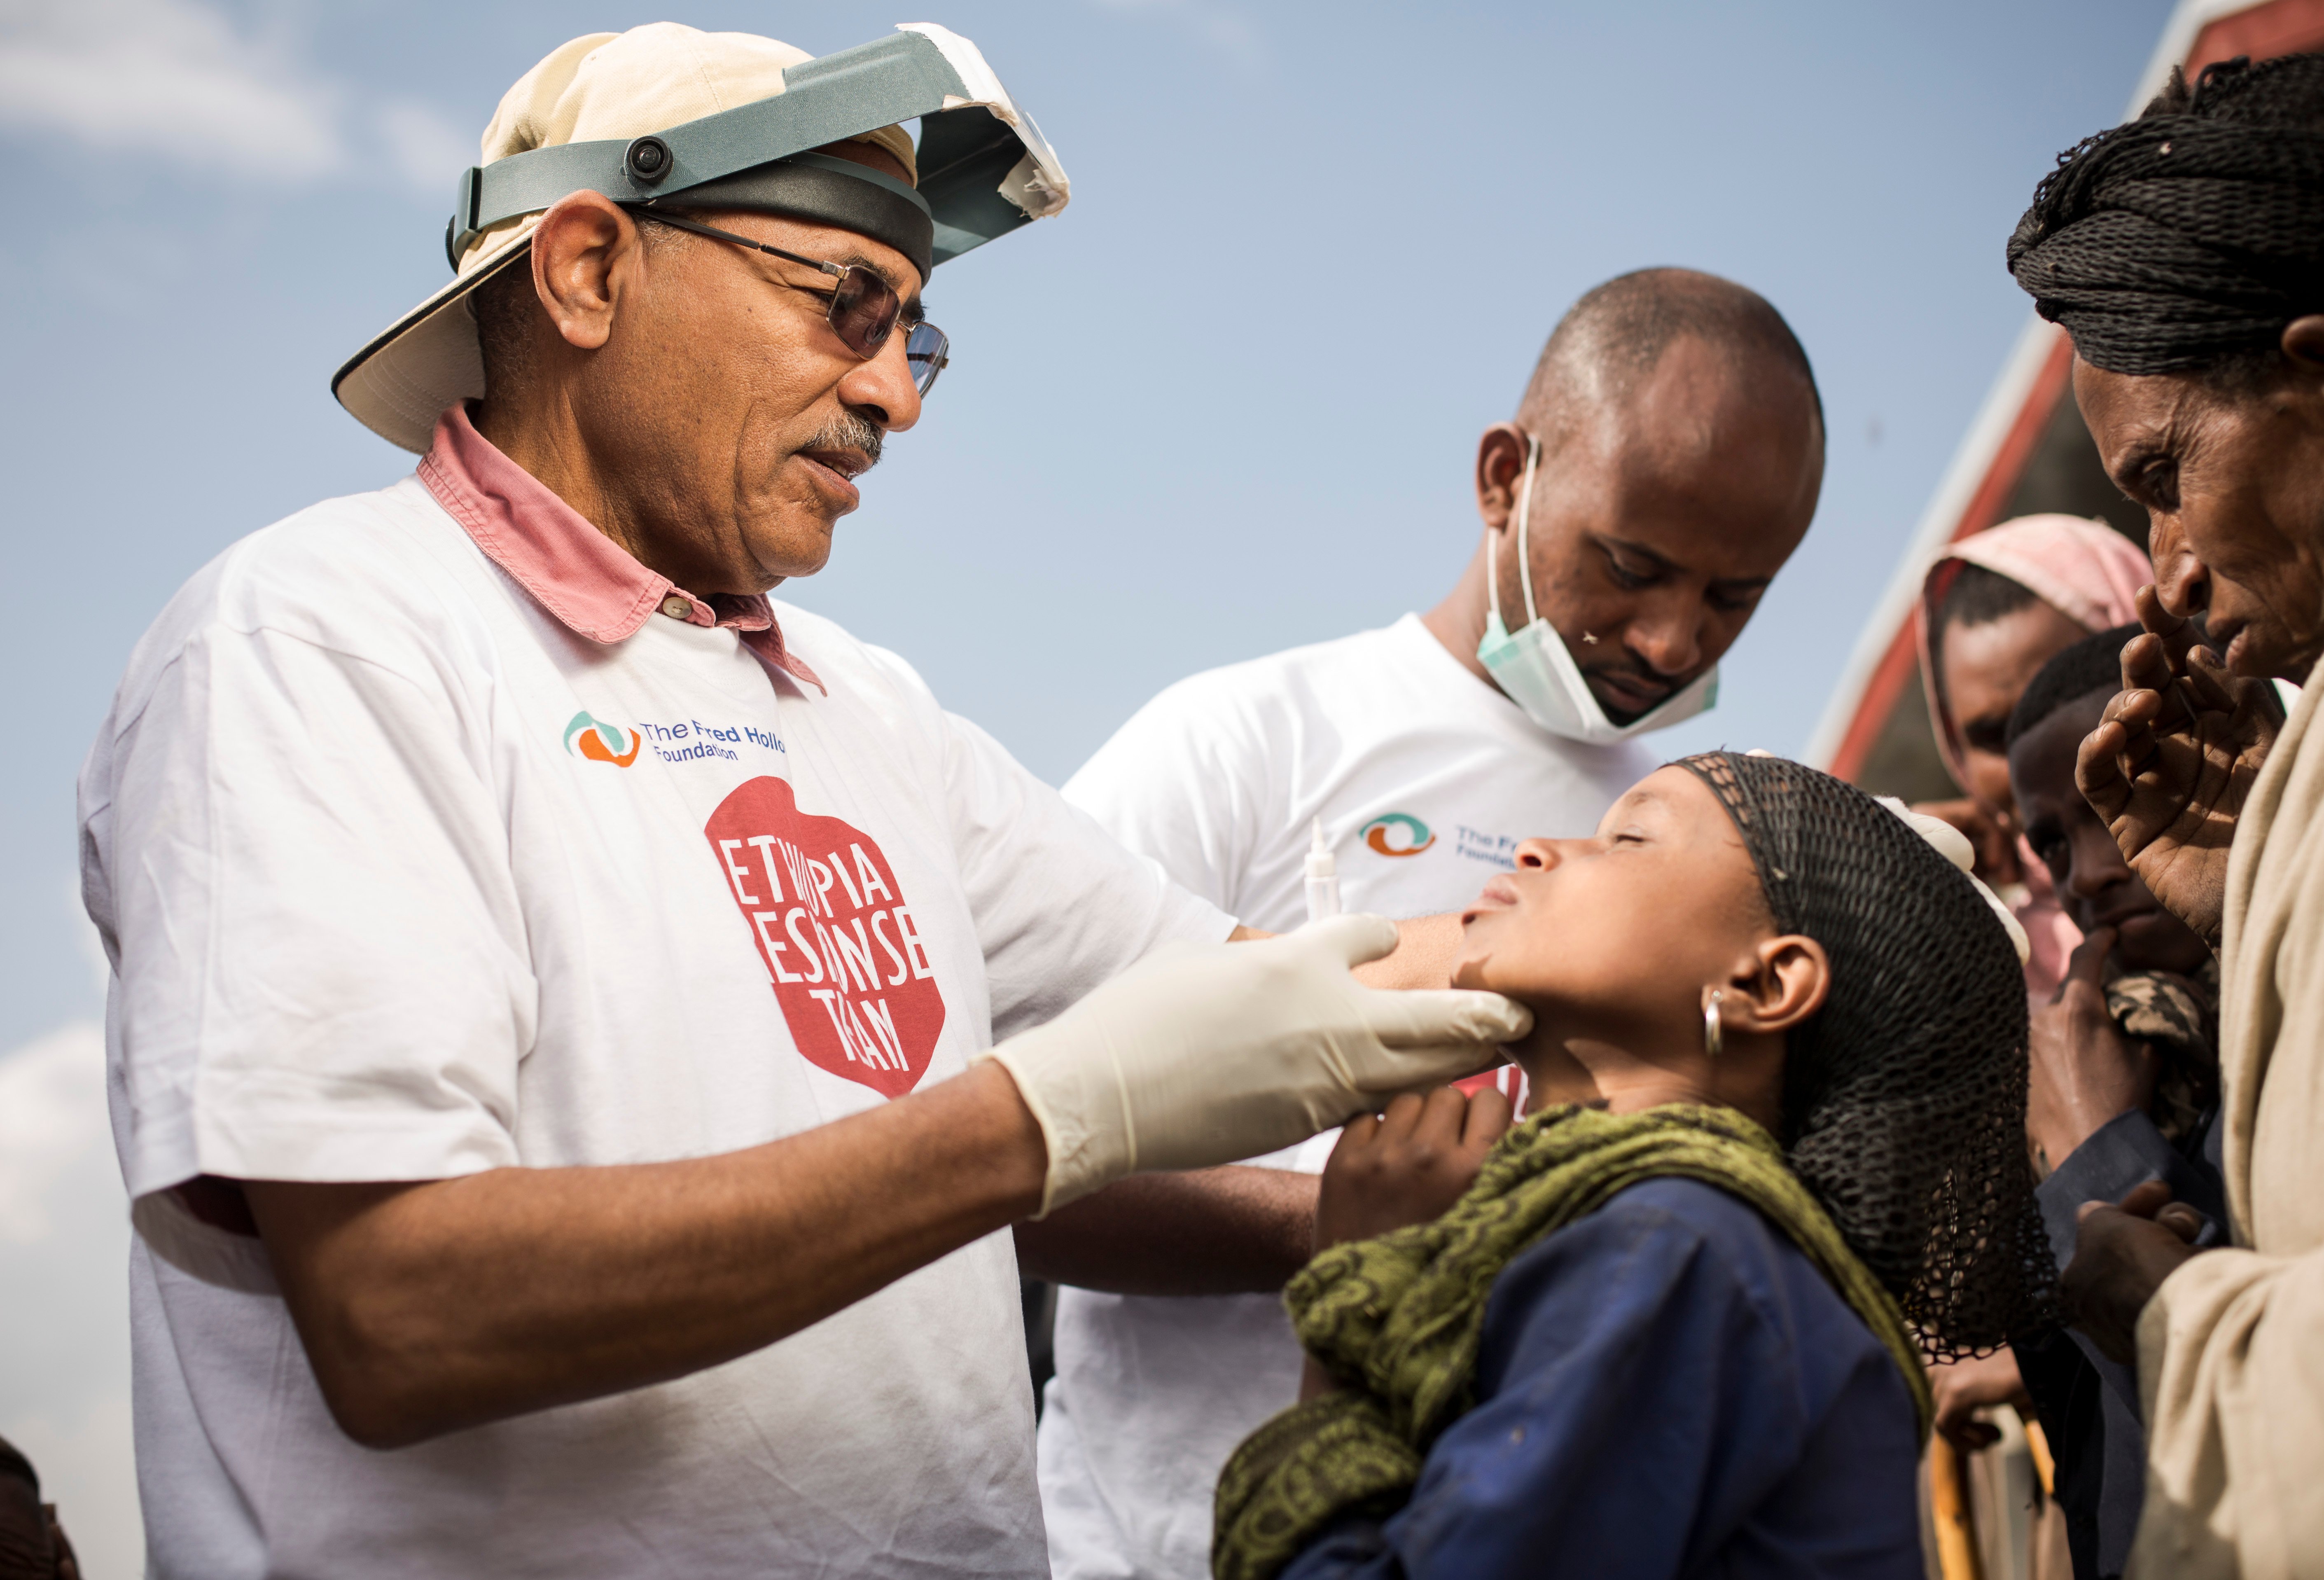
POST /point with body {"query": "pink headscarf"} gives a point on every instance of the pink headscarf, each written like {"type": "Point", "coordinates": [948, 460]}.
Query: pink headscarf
{"type": "Point", "coordinates": [2088, 572]}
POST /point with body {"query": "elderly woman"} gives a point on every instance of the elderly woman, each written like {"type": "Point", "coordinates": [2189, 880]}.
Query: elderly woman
{"type": "Point", "coordinates": [2184, 253]}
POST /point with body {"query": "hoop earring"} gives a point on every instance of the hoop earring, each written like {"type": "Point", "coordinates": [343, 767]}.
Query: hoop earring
{"type": "Point", "coordinates": [1714, 1030]}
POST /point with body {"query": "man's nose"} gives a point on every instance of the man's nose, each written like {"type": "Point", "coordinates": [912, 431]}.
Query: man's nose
{"type": "Point", "coordinates": [2181, 581]}
{"type": "Point", "coordinates": [881, 389]}
{"type": "Point", "coordinates": [1666, 636]}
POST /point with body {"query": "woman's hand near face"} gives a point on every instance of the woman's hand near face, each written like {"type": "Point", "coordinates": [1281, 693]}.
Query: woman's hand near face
{"type": "Point", "coordinates": [2169, 764]}
{"type": "Point", "coordinates": [1408, 1165]}
{"type": "Point", "coordinates": [2085, 1071]}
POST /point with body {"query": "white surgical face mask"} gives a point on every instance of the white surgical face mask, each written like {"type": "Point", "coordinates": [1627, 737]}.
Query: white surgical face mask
{"type": "Point", "coordinates": [1539, 674]}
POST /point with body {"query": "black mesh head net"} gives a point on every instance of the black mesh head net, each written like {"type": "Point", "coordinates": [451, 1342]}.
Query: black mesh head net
{"type": "Point", "coordinates": [1904, 1095]}
{"type": "Point", "coordinates": [2188, 237]}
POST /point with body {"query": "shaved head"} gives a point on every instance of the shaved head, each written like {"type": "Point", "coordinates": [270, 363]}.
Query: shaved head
{"type": "Point", "coordinates": [1610, 340]}
{"type": "Point", "coordinates": [1680, 456]}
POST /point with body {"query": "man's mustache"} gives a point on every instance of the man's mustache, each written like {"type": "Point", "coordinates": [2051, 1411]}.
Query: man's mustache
{"type": "Point", "coordinates": [847, 431]}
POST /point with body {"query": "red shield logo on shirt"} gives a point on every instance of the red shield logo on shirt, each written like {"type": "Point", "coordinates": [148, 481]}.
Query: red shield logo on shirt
{"type": "Point", "coordinates": [841, 950]}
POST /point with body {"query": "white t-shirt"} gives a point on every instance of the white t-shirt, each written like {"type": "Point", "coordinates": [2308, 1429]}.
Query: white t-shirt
{"type": "Point", "coordinates": [403, 877]}
{"type": "Point", "coordinates": [1425, 779]}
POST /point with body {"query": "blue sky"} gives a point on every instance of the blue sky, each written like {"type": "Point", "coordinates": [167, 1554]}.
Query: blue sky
{"type": "Point", "coordinates": [1225, 404]}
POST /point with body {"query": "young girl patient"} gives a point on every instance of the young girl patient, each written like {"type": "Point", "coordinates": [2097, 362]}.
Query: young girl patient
{"type": "Point", "coordinates": [1676, 1326]}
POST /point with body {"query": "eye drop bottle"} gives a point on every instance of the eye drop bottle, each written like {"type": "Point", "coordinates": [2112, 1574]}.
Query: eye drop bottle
{"type": "Point", "coordinates": [1323, 876]}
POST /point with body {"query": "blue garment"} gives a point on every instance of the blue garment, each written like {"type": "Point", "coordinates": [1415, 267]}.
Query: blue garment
{"type": "Point", "coordinates": [2089, 1405]}
{"type": "Point", "coordinates": [2124, 1153]}
{"type": "Point", "coordinates": [1666, 1388]}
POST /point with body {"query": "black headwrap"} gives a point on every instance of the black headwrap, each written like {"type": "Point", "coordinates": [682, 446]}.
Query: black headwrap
{"type": "Point", "coordinates": [1904, 1095]}
{"type": "Point", "coordinates": [2190, 236]}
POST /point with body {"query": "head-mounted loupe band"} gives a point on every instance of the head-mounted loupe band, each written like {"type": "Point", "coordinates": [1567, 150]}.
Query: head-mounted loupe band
{"type": "Point", "coordinates": [828, 191]}
{"type": "Point", "coordinates": [984, 167]}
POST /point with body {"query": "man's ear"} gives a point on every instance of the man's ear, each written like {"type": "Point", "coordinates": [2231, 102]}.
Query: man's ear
{"type": "Point", "coordinates": [1500, 464]}
{"type": "Point", "coordinates": [583, 254]}
{"type": "Point", "coordinates": [1779, 985]}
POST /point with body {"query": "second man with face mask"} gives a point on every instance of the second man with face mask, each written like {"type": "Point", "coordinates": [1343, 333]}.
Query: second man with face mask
{"type": "Point", "coordinates": [1663, 464]}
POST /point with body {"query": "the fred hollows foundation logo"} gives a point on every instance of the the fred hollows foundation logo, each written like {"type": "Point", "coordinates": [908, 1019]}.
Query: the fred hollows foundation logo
{"type": "Point", "coordinates": [600, 742]}
{"type": "Point", "coordinates": [1397, 834]}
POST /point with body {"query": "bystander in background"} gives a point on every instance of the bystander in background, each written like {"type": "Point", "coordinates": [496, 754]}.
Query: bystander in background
{"type": "Point", "coordinates": [1993, 608]}
{"type": "Point", "coordinates": [2124, 1085]}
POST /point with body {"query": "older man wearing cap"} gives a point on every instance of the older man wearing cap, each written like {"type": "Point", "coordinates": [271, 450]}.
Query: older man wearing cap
{"type": "Point", "coordinates": [551, 980]}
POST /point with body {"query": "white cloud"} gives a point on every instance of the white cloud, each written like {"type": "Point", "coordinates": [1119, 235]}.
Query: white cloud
{"type": "Point", "coordinates": [1229, 33]}
{"type": "Point", "coordinates": [175, 79]}
{"type": "Point", "coordinates": [167, 76]}
{"type": "Point", "coordinates": [51, 1113]}
{"type": "Point", "coordinates": [64, 1320]}
{"type": "Point", "coordinates": [428, 151]}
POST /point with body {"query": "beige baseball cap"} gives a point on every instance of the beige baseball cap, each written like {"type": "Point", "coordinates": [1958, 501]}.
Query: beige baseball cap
{"type": "Point", "coordinates": [606, 96]}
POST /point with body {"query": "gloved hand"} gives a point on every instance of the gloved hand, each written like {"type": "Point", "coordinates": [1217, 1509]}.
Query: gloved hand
{"type": "Point", "coordinates": [1202, 1053]}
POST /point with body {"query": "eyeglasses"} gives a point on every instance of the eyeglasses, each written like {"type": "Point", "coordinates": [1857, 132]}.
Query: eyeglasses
{"type": "Point", "coordinates": [863, 308]}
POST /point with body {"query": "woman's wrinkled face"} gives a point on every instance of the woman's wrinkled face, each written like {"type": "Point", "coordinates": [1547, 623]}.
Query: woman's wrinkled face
{"type": "Point", "coordinates": [2094, 883]}
{"type": "Point", "coordinates": [1987, 669]}
{"type": "Point", "coordinates": [1617, 935]}
{"type": "Point", "coordinates": [2233, 483]}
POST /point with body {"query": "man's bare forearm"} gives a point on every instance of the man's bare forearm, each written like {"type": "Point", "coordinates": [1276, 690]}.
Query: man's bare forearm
{"type": "Point", "coordinates": [1213, 1232]}
{"type": "Point", "coordinates": [433, 1306]}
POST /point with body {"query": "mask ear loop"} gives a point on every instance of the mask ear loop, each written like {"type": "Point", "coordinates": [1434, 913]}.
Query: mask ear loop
{"type": "Point", "coordinates": [1525, 564]}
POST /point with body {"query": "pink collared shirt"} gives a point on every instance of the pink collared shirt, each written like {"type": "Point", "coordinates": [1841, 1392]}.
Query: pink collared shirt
{"type": "Point", "coordinates": [598, 588]}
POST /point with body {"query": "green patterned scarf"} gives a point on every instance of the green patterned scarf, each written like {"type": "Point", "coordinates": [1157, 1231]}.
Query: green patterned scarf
{"type": "Point", "coordinates": [1397, 1321]}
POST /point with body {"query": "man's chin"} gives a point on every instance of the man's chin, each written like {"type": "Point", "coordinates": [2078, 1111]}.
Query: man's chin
{"type": "Point", "coordinates": [790, 540]}
{"type": "Point", "coordinates": [1622, 713]}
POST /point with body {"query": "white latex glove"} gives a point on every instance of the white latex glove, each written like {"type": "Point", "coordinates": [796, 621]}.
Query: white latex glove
{"type": "Point", "coordinates": [1202, 1053]}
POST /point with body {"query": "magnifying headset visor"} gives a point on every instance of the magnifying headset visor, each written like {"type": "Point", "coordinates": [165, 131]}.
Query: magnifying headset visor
{"type": "Point", "coordinates": [665, 119]}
